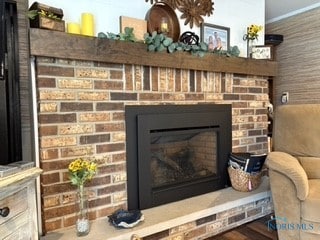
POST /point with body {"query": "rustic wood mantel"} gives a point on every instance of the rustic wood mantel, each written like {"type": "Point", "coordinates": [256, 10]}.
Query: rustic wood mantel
{"type": "Point", "coordinates": [70, 46]}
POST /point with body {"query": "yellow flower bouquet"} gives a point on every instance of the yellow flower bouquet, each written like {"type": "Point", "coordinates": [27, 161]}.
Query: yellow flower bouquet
{"type": "Point", "coordinates": [81, 170]}
{"type": "Point", "coordinates": [252, 32]}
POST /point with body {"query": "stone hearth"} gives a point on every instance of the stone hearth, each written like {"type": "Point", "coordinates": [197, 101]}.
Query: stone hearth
{"type": "Point", "coordinates": [194, 218]}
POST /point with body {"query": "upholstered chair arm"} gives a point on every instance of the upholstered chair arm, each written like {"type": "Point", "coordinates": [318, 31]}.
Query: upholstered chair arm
{"type": "Point", "coordinates": [289, 166]}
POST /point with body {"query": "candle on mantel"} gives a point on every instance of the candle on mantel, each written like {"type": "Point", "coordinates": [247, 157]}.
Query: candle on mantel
{"type": "Point", "coordinates": [164, 25]}
{"type": "Point", "coordinates": [73, 28]}
{"type": "Point", "coordinates": [87, 24]}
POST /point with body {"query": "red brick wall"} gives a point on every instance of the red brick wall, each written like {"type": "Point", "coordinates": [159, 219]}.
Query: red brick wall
{"type": "Point", "coordinates": [81, 114]}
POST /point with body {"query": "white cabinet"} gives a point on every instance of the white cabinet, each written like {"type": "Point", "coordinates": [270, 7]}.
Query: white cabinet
{"type": "Point", "coordinates": [17, 193]}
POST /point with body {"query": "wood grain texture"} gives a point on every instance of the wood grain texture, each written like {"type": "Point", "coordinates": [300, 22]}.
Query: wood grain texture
{"type": "Point", "coordinates": [298, 58]}
{"type": "Point", "coordinates": [19, 178]}
{"type": "Point", "coordinates": [70, 46]}
{"type": "Point", "coordinates": [18, 194]}
{"type": "Point", "coordinates": [24, 69]}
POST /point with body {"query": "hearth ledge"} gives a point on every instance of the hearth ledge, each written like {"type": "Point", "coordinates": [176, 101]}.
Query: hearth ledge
{"type": "Point", "coordinates": [167, 216]}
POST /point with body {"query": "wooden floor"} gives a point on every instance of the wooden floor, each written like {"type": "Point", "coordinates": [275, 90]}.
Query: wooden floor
{"type": "Point", "coordinates": [256, 230]}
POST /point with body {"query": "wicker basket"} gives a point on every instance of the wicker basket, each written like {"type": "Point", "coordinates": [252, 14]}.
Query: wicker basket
{"type": "Point", "coordinates": [243, 181]}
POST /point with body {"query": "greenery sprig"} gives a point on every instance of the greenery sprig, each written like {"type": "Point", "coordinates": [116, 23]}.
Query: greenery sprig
{"type": "Point", "coordinates": [127, 35]}
{"type": "Point", "coordinates": [32, 14]}
{"type": "Point", "coordinates": [157, 42]}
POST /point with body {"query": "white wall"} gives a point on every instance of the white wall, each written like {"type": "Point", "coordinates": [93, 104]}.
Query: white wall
{"type": "Point", "coordinates": [235, 14]}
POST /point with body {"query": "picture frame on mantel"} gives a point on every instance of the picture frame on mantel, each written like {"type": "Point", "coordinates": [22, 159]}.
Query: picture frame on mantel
{"type": "Point", "coordinates": [262, 52]}
{"type": "Point", "coordinates": [217, 37]}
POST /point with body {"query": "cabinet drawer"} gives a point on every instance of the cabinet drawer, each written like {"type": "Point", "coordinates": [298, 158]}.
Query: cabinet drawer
{"type": "Point", "coordinates": [17, 203]}
{"type": "Point", "coordinates": [17, 228]}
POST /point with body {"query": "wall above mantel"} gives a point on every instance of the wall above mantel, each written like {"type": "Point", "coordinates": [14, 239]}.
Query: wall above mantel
{"type": "Point", "coordinates": [232, 14]}
{"type": "Point", "coordinates": [63, 45]}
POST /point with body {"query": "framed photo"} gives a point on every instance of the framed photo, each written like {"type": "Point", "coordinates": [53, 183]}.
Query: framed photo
{"type": "Point", "coordinates": [262, 52]}
{"type": "Point", "coordinates": [217, 37]}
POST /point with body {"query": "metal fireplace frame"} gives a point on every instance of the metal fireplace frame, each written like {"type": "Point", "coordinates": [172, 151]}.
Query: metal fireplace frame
{"type": "Point", "coordinates": [141, 120]}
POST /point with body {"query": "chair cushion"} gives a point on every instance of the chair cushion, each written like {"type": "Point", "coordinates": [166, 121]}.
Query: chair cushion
{"type": "Point", "coordinates": [297, 130]}
{"type": "Point", "coordinates": [310, 230]}
{"type": "Point", "coordinates": [311, 165]}
{"type": "Point", "coordinates": [310, 207]}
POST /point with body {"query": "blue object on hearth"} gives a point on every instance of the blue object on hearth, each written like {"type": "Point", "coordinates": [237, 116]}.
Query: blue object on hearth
{"type": "Point", "coordinates": [126, 219]}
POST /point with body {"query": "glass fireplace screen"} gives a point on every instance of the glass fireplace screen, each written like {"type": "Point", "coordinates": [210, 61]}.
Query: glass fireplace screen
{"type": "Point", "coordinates": [182, 155]}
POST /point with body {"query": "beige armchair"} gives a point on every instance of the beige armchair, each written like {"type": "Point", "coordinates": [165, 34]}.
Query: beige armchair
{"type": "Point", "coordinates": [294, 170]}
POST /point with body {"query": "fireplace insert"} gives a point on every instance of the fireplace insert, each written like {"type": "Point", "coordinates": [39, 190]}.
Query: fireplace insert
{"type": "Point", "coordinates": [176, 151]}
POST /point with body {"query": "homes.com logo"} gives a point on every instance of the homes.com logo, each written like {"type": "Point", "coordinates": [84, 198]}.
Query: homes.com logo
{"type": "Point", "coordinates": [281, 224]}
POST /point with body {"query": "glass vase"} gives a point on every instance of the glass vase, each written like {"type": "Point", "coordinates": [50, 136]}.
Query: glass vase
{"type": "Point", "coordinates": [249, 48]}
{"type": "Point", "coordinates": [82, 224]}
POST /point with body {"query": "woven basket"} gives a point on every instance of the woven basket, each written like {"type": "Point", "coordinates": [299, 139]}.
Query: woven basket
{"type": "Point", "coordinates": [243, 181]}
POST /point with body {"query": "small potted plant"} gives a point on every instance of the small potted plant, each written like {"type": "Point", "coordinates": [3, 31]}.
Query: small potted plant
{"type": "Point", "coordinates": [46, 17]}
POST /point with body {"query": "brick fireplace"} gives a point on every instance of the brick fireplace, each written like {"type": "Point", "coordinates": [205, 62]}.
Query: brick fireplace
{"type": "Point", "coordinates": [82, 100]}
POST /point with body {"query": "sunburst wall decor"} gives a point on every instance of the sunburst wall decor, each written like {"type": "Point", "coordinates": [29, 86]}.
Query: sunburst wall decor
{"type": "Point", "coordinates": [192, 10]}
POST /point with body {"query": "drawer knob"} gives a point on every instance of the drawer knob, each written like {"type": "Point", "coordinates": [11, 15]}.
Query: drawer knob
{"type": "Point", "coordinates": [4, 211]}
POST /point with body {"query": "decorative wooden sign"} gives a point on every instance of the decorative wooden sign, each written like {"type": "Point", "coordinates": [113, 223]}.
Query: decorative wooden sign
{"type": "Point", "coordinates": [139, 26]}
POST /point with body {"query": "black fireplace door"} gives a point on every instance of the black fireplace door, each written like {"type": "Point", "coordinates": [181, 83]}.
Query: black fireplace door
{"type": "Point", "coordinates": [181, 151]}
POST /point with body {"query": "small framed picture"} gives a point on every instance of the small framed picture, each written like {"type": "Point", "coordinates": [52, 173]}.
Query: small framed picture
{"type": "Point", "coordinates": [217, 37]}
{"type": "Point", "coordinates": [262, 52]}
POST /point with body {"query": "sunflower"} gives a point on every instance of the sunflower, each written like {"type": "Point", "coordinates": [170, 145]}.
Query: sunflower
{"type": "Point", "coordinates": [81, 170]}
{"type": "Point", "coordinates": [252, 32]}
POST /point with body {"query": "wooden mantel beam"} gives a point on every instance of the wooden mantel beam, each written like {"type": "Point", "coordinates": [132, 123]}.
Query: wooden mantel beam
{"type": "Point", "coordinates": [70, 46]}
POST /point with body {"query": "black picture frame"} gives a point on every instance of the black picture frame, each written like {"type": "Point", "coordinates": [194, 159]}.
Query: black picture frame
{"type": "Point", "coordinates": [209, 30]}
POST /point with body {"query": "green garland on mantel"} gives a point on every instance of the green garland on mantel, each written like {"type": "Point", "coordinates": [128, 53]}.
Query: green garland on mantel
{"type": "Point", "coordinates": [158, 42]}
